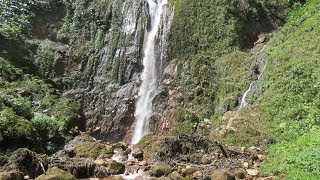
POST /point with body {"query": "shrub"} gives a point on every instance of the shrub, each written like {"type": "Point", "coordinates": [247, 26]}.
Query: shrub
{"type": "Point", "coordinates": [8, 71]}
{"type": "Point", "coordinates": [21, 105]}
{"type": "Point", "coordinates": [17, 130]}
{"type": "Point", "coordinates": [45, 59]}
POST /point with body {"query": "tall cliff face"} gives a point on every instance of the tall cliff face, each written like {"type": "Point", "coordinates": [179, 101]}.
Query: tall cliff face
{"type": "Point", "coordinates": [108, 98]}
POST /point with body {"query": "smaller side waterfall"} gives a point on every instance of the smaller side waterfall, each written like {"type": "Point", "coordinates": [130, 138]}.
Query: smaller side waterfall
{"type": "Point", "coordinates": [244, 102]}
{"type": "Point", "coordinates": [150, 72]}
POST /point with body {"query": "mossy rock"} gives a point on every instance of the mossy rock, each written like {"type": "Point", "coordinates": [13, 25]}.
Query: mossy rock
{"type": "Point", "coordinates": [149, 144]}
{"type": "Point", "coordinates": [116, 168]}
{"type": "Point", "coordinates": [56, 174]}
{"type": "Point", "coordinates": [92, 150]}
{"type": "Point", "coordinates": [160, 169]}
{"type": "Point", "coordinates": [189, 171]}
{"type": "Point", "coordinates": [188, 178]}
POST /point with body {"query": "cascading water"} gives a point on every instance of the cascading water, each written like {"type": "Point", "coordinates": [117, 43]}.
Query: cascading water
{"type": "Point", "coordinates": [244, 98]}
{"type": "Point", "coordinates": [149, 75]}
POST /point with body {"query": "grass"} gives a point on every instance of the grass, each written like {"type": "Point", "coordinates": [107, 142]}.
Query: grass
{"type": "Point", "coordinates": [290, 96]}
{"type": "Point", "coordinates": [287, 106]}
{"type": "Point", "coordinates": [295, 159]}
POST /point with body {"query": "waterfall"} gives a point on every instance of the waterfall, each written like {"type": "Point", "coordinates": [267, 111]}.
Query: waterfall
{"type": "Point", "coordinates": [150, 73]}
{"type": "Point", "coordinates": [244, 98]}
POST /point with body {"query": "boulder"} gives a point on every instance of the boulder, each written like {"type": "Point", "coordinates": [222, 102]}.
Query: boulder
{"type": "Point", "coordinates": [116, 168]}
{"type": "Point", "coordinates": [103, 160]}
{"type": "Point", "coordinates": [124, 146]}
{"type": "Point", "coordinates": [56, 174]}
{"type": "Point", "coordinates": [188, 171]}
{"type": "Point", "coordinates": [197, 174]}
{"type": "Point", "coordinates": [205, 159]}
{"type": "Point", "coordinates": [100, 162]}
{"type": "Point", "coordinates": [26, 162]}
{"type": "Point", "coordinates": [12, 175]}
{"type": "Point", "coordinates": [261, 157]}
{"type": "Point", "coordinates": [79, 167]}
{"type": "Point", "coordinates": [245, 165]}
{"type": "Point", "coordinates": [143, 163]}
{"type": "Point", "coordinates": [222, 175]}
{"type": "Point", "coordinates": [92, 150]}
{"type": "Point", "coordinates": [101, 172]}
{"type": "Point", "coordinates": [129, 163]}
{"type": "Point", "coordinates": [175, 176]}
{"type": "Point", "coordinates": [240, 173]}
{"type": "Point", "coordinates": [160, 169]}
{"type": "Point", "coordinates": [252, 172]}
{"type": "Point", "coordinates": [138, 154]}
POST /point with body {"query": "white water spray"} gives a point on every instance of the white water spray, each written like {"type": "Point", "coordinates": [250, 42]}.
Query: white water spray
{"type": "Point", "coordinates": [149, 74]}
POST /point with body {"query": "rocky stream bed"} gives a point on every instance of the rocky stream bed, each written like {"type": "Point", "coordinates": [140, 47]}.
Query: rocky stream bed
{"type": "Point", "coordinates": [182, 157]}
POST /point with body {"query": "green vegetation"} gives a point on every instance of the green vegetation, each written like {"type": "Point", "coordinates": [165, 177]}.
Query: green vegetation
{"type": "Point", "coordinates": [290, 95]}
{"type": "Point", "coordinates": [214, 72]}
{"type": "Point", "coordinates": [83, 29]}
{"type": "Point", "coordinates": [183, 121]}
{"type": "Point", "coordinates": [45, 59]}
{"type": "Point", "coordinates": [297, 159]}
{"type": "Point", "coordinates": [8, 72]}
{"type": "Point", "coordinates": [247, 128]}
{"type": "Point", "coordinates": [207, 39]}
{"type": "Point", "coordinates": [32, 113]}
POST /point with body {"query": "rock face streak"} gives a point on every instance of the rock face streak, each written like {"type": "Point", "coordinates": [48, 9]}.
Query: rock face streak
{"type": "Point", "coordinates": [109, 102]}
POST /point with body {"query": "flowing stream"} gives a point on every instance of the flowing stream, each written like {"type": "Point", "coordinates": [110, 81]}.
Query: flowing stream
{"type": "Point", "coordinates": [150, 73]}
{"type": "Point", "coordinates": [131, 172]}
